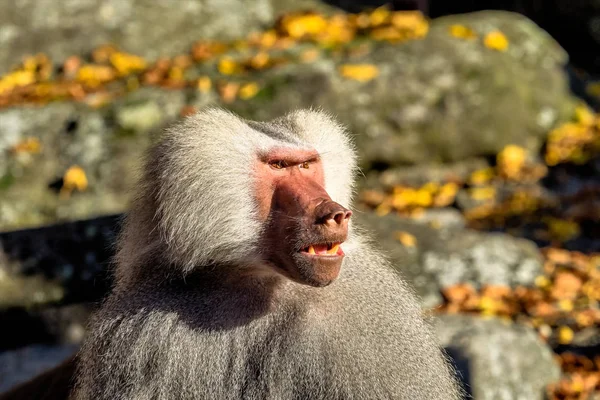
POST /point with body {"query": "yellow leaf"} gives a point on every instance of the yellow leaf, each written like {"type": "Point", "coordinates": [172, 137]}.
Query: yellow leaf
{"type": "Point", "coordinates": [481, 176]}
{"type": "Point", "coordinates": [94, 75]}
{"type": "Point", "coordinates": [259, 61]}
{"type": "Point", "coordinates": [462, 32]}
{"type": "Point", "coordinates": [483, 193]}
{"type": "Point", "coordinates": [488, 305]}
{"type": "Point", "coordinates": [175, 74]}
{"type": "Point", "coordinates": [228, 66]}
{"type": "Point", "coordinates": [511, 161]}
{"type": "Point", "coordinates": [423, 198]}
{"type": "Point", "coordinates": [405, 238]}
{"type": "Point", "coordinates": [411, 23]}
{"type": "Point", "coordinates": [338, 31]}
{"type": "Point", "coordinates": [359, 72]}
{"type": "Point", "coordinates": [30, 145]}
{"type": "Point", "coordinates": [74, 179]}
{"type": "Point", "coordinates": [577, 384]}
{"type": "Point", "coordinates": [430, 187]}
{"type": "Point", "coordinates": [127, 63]}
{"type": "Point", "coordinates": [388, 33]}
{"type": "Point", "coordinates": [15, 79]}
{"type": "Point", "coordinates": [204, 84]}
{"type": "Point", "coordinates": [584, 115]}
{"type": "Point", "coordinates": [268, 39]}
{"type": "Point", "coordinates": [565, 335]}
{"type": "Point", "coordinates": [300, 25]}
{"type": "Point", "coordinates": [565, 305]}
{"type": "Point", "coordinates": [379, 16]}
{"type": "Point", "coordinates": [248, 90]}
{"type": "Point", "coordinates": [496, 41]}
{"type": "Point", "coordinates": [446, 195]}
{"type": "Point", "coordinates": [542, 281]}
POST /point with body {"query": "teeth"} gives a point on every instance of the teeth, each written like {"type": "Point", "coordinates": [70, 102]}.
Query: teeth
{"type": "Point", "coordinates": [334, 249]}
{"type": "Point", "coordinates": [311, 250]}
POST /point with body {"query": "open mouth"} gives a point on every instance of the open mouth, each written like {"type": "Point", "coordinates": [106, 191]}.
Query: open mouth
{"type": "Point", "coordinates": [324, 249]}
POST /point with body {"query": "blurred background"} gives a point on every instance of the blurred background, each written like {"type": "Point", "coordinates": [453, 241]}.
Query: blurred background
{"type": "Point", "coordinates": [475, 122]}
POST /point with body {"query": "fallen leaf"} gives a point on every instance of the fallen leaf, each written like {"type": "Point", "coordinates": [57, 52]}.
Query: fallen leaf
{"type": "Point", "coordinates": [406, 239]}
{"type": "Point", "coordinates": [496, 40]}
{"type": "Point", "coordinates": [248, 90]}
{"type": "Point", "coordinates": [359, 72]}
{"type": "Point", "coordinates": [462, 32]}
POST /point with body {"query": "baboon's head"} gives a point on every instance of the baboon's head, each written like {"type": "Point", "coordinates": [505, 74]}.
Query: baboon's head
{"type": "Point", "coordinates": [220, 190]}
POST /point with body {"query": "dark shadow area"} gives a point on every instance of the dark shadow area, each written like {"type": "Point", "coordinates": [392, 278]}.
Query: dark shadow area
{"type": "Point", "coordinates": [49, 326]}
{"type": "Point", "coordinates": [463, 369]}
{"type": "Point", "coordinates": [75, 254]}
{"type": "Point", "coordinates": [55, 383]}
{"type": "Point", "coordinates": [220, 304]}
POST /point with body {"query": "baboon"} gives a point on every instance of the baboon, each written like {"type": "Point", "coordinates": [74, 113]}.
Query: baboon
{"type": "Point", "coordinates": [239, 275]}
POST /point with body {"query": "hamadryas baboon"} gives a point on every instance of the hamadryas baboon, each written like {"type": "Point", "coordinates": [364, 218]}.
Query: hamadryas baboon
{"type": "Point", "coordinates": [240, 276]}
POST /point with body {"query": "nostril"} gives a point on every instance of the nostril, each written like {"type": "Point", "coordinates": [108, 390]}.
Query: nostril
{"type": "Point", "coordinates": [340, 216]}
{"type": "Point", "coordinates": [331, 213]}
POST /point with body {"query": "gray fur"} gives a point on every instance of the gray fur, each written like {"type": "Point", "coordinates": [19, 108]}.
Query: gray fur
{"type": "Point", "coordinates": [191, 318]}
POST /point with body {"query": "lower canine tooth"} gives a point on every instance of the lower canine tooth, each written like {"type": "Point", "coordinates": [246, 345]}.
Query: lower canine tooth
{"type": "Point", "coordinates": [311, 250]}
{"type": "Point", "coordinates": [334, 249]}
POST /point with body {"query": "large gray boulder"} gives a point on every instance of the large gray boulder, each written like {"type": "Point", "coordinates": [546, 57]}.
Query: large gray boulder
{"type": "Point", "coordinates": [107, 143]}
{"type": "Point", "coordinates": [441, 98]}
{"type": "Point", "coordinates": [436, 99]}
{"type": "Point", "coordinates": [449, 254]}
{"type": "Point", "coordinates": [498, 360]}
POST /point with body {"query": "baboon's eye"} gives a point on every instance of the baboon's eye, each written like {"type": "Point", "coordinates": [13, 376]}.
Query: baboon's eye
{"type": "Point", "coordinates": [278, 164]}
{"type": "Point", "coordinates": [305, 165]}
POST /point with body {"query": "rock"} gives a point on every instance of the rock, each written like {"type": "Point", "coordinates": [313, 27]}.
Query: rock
{"type": "Point", "coordinates": [443, 219]}
{"type": "Point", "coordinates": [573, 24]}
{"type": "Point", "coordinates": [438, 99]}
{"type": "Point", "coordinates": [447, 254]}
{"type": "Point", "coordinates": [428, 107]}
{"type": "Point", "coordinates": [417, 175]}
{"type": "Point", "coordinates": [23, 364]}
{"type": "Point", "coordinates": [107, 143]}
{"type": "Point", "coordinates": [498, 360]}
{"type": "Point", "coordinates": [69, 134]}
{"type": "Point", "coordinates": [147, 109]}
{"type": "Point", "coordinates": [143, 27]}
{"type": "Point", "coordinates": [24, 291]}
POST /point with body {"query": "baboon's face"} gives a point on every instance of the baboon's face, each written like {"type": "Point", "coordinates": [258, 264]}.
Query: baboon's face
{"type": "Point", "coordinates": [305, 229]}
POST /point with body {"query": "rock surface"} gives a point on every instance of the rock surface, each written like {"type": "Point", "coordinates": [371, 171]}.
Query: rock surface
{"type": "Point", "coordinates": [20, 365]}
{"type": "Point", "coordinates": [107, 143]}
{"type": "Point", "coordinates": [498, 360]}
{"type": "Point", "coordinates": [448, 254]}
{"type": "Point", "coordinates": [440, 99]}
{"type": "Point", "coordinates": [144, 27]}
